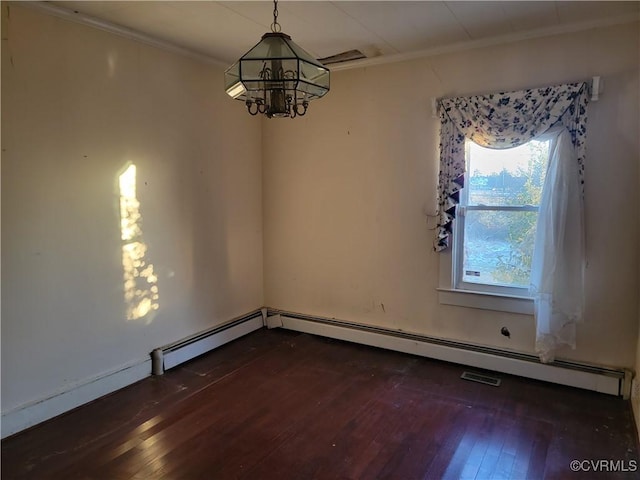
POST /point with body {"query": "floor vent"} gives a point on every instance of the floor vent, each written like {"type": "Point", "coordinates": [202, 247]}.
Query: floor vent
{"type": "Point", "coordinates": [495, 361]}
{"type": "Point", "coordinates": [480, 378]}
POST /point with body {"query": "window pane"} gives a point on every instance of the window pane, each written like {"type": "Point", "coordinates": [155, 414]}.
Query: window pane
{"type": "Point", "coordinates": [512, 176]}
{"type": "Point", "coordinates": [498, 246]}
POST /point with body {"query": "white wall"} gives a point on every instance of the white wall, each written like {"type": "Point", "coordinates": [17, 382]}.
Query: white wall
{"type": "Point", "coordinates": [78, 106]}
{"type": "Point", "coordinates": [635, 392]}
{"type": "Point", "coordinates": [348, 187]}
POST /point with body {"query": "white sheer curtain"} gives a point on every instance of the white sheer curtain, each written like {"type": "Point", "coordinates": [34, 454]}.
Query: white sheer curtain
{"type": "Point", "coordinates": [557, 272]}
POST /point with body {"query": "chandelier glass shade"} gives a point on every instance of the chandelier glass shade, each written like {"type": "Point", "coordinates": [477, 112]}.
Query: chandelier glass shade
{"type": "Point", "coordinates": [277, 78]}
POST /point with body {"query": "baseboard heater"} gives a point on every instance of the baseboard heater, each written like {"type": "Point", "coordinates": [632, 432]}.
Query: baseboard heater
{"type": "Point", "coordinates": [188, 348]}
{"type": "Point", "coordinates": [591, 377]}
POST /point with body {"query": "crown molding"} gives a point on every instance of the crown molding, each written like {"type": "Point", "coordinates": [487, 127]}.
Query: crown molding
{"type": "Point", "coordinates": [132, 34]}
{"type": "Point", "coordinates": [488, 42]}
{"type": "Point", "coordinates": [90, 21]}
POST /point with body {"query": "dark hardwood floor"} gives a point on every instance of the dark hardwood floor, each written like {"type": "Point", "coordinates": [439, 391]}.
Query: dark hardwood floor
{"type": "Point", "coordinates": [282, 405]}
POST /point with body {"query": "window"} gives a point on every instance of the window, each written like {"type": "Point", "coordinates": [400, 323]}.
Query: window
{"type": "Point", "coordinates": [496, 218]}
{"type": "Point", "coordinates": [491, 233]}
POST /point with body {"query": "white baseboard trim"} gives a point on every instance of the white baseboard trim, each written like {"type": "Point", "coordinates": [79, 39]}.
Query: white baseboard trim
{"type": "Point", "coordinates": [594, 378]}
{"type": "Point", "coordinates": [75, 395]}
{"type": "Point", "coordinates": [598, 379]}
{"type": "Point", "coordinates": [85, 391]}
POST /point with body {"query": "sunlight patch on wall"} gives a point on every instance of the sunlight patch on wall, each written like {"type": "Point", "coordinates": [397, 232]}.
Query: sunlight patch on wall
{"type": "Point", "coordinates": [140, 282]}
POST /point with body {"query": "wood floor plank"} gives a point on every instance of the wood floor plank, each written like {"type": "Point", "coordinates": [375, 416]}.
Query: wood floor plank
{"type": "Point", "coordinates": [283, 405]}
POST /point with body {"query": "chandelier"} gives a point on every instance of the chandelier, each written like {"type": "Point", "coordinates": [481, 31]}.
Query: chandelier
{"type": "Point", "coordinates": [277, 78]}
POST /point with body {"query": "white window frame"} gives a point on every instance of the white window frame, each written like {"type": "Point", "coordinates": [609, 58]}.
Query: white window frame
{"type": "Point", "coordinates": [454, 291]}
{"type": "Point", "coordinates": [458, 252]}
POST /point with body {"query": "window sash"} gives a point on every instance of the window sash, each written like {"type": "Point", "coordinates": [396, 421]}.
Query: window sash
{"type": "Point", "coordinates": [458, 250]}
{"type": "Point", "coordinates": [462, 209]}
{"type": "Point", "coordinates": [458, 241]}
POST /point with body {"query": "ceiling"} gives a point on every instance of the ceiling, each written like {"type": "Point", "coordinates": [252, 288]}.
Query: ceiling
{"type": "Point", "coordinates": [224, 31]}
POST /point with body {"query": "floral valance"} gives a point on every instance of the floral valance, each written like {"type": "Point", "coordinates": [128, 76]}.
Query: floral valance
{"type": "Point", "coordinates": [501, 120]}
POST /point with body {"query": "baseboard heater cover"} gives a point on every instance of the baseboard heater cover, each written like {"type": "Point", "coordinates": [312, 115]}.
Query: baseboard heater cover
{"type": "Point", "coordinates": [191, 347]}
{"type": "Point", "coordinates": [591, 377]}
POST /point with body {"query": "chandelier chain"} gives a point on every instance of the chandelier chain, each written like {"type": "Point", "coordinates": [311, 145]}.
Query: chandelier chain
{"type": "Point", "coordinates": [275, 26]}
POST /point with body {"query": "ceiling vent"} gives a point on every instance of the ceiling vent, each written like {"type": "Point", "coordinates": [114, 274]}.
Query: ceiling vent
{"type": "Point", "coordinates": [343, 57]}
